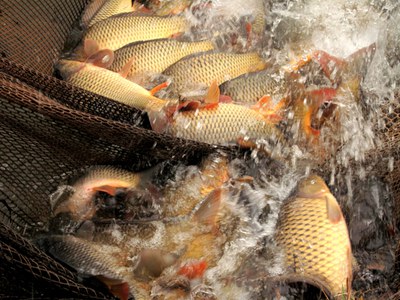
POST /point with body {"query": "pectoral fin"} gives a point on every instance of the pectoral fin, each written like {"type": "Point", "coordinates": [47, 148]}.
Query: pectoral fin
{"type": "Point", "coordinates": [103, 58]}
{"type": "Point", "coordinates": [333, 209]}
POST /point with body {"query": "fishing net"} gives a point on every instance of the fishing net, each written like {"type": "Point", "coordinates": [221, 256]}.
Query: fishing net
{"type": "Point", "coordinates": [50, 129]}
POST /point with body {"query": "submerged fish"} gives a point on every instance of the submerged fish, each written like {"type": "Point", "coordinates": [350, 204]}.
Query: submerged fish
{"type": "Point", "coordinates": [312, 231]}
{"type": "Point", "coordinates": [107, 179]}
{"type": "Point", "coordinates": [110, 8]}
{"type": "Point", "coordinates": [109, 84]}
{"type": "Point", "coordinates": [117, 31]}
{"type": "Point", "coordinates": [200, 70]}
{"type": "Point", "coordinates": [156, 55]}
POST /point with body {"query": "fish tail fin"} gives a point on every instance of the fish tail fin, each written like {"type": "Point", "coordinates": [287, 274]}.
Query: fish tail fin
{"type": "Point", "coordinates": [208, 210]}
{"type": "Point", "coordinates": [159, 87]}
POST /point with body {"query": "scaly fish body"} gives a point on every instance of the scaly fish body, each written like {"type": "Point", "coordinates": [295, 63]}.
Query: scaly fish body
{"type": "Point", "coordinates": [108, 263]}
{"type": "Point", "coordinates": [251, 87]}
{"type": "Point", "coordinates": [110, 8]}
{"type": "Point", "coordinates": [313, 234]}
{"type": "Point", "coordinates": [155, 56]}
{"type": "Point", "coordinates": [222, 124]}
{"type": "Point", "coordinates": [109, 84]}
{"type": "Point", "coordinates": [117, 31]}
{"type": "Point", "coordinates": [169, 7]}
{"type": "Point", "coordinates": [90, 10]}
{"type": "Point", "coordinates": [81, 204]}
{"type": "Point", "coordinates": [204, 68]}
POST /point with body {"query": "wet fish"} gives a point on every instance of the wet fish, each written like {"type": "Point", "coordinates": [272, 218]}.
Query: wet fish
{"type": "Point", "coordinates": [219, 123]}
{"type": "Point", "coordinates": [117, 31]}
{"type": "Point", "coordinates": [201, 69]}
{"type": "Point", "coordinates": [90, 10]}
{"type": "Point", "coordinates": [107, 179]}
{"type": "Point", "coordinates": [109, 264]}
{"type": "Point", "coordinates": [109, 84]}
{"type": "Point", "coordinates": [312, 231]}
{"type": "Point", "coordinates": [251, 87]}
{"type": "Point", "coordinates": [110, 8]}
{"type": "Point", "coordinates": [156, 55]}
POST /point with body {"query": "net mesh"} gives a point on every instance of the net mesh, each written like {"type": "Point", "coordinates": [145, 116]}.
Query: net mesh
{"type": "Point", "coordinates": [44, 125]}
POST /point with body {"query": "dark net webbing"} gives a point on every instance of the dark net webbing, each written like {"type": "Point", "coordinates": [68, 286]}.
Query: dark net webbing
{"type": "Point", "coordinates": [50, 129]}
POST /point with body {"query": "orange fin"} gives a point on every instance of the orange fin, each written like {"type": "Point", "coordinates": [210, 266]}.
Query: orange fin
{"type": "Point", "coordinates": [111, 190]}
{"type": "Point", "coordinates": [90, 47]}
{"type": "Point", "coordinates": [176, 35]}
{"type": "Point", "coordinates": [295, 64]}
{"type": "Point", "coordinates": [329, 64]}
{"type": "Point", "coordinates": [159, 87]}
{"type": "Point", "coordinates": [213, 93]}
{"type": "Point", "coordinates": [249, 34]}
{"type": "Point", "coordinates": [103, 58]}
{"type": "Point", "coordinates": [333, 209]}
{"type": "Point", "coordinates": [264, 107]}
{"type": "Point", "coordinates": [264, 102]}
{"type": "Point", "coordinates": [246, 144]}
{"type": "Point", "coordinates": [120, 290]}
{"type": "Point", "coordinates": [193, 270]}
{"type": "Point", "coordinates": [208, 210]}
{"type": "Point", "coordinates": [308, 129]}
{"type": "Point", "coordinates": [319, 96]}
{"type": "Point", "coordinates": [124, 72]}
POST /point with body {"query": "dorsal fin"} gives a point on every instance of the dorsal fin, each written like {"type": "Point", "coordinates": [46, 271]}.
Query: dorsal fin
{"type": "Point", "coordinates": [213, 93]}
{"type": "Point", "coordinates": [333, 209]}
{"type": "Point", "coordinates": [103, 58]}
{"type": "Point", "coordinates": [208, 210]}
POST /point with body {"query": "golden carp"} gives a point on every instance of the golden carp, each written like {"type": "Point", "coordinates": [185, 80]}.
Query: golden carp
{"type": "Point", "coordinates": [312, 231]}
{"type": "Point", "coordinates": [110, 8]}
{"type": "Point", "coordinates": [109, 84]}
{"type": "Point", "coordinates": [202, 69]}
{"type": "Point", "coordinates": [90, 10]}
{"type": "Point", "coordinates": [109, 264]}
{"type": "Point", "coordinates": [156, 55]}
{"type": "Point", "coordinates": [107, 179]}
{"type": "Point", "coordinates": [219, 123]}
{"type": "Point", "coordinates": [117, 31]}
{"type": "Point", "coordinates": [251, 87]}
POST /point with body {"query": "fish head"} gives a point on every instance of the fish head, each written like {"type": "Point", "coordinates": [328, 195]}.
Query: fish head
{"type": "Point", "coordinates": [312, 187]}
{"type": "Point", "coordinates": [67, 68]}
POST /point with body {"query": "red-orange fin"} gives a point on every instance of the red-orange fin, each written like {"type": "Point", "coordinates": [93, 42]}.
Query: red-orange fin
{"type": "Point", "coordinates": [225, 99]}
{"type": "Point", "coordinates": [90, 47]}
{"type": "Point", "coordinates": [103, 58]}
{"type": "Point", "coordinates": [193, 270]}
{"type": "Point", "coordinates": [213, 93]}
{"type": "Point", "coordinates": [295, 64]}
{"type": "Point", "coordinates": [264, 107]}
{"type": "Point", "coordinates": [159, 87]}
{"type": "Point", "coordinates": [176, 35]}
{"type": "Point", "coordinates": [308, 129]}
{"type": "Point", "coordinates": [246, 144]}
{"type": "Point", "coordinates": [328, 63]}
{"type": "Point", "coordinates": [111, 190]}
{"type": "Point", "coordinates": [207, 212]}
{"type": "Point", "coordinates": [249, 34]}
{"type": "Point", "coordinates": [126, 69]}
{"type": "Point", "coordinates": [120, 290]}
{"type": "Point", "coordinates": [333, 209]}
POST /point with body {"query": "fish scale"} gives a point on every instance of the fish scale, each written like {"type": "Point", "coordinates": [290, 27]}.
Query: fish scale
{"type": "Point", "coordinates": [110, 8]}
{"type": "Point", "coordinates": [314, 247]}
{"type": "Point", "coordinates": [155, 56]}
{"type": "Point", "coordinates": [117, 31]}
{"type": "Point", "coordinates": [111, 85]}
{"type": "Point", "coordinates": [249, 88]}
{"type": "Point", "coordinates": [204, 68]}
{"type": "Point", "coordinates": [219, 125]}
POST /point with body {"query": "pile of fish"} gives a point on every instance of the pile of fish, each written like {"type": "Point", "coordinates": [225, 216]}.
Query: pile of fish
{"type": "Point", "coordinates": [200, 72]}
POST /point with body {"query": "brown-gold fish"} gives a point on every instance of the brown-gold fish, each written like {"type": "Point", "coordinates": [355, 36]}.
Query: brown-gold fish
{"type": "Point", "coordinates": [109, 84]}
{"type": "Point", "coordinates": [219, 123]}
{"type": "Point", "coordinates": [110, 8]}
{"type": "Point", "coordinates": [156, 55]}
{"type": "Point", "coordinates": [200, 70]}
{"type": "Point", "coordinates": [312, 231]}
{"type": "Point", "coordinates": [90, 10]}
{"type": "Point", "coordinates": [107, 179]}
{"type": "Point", "coordinates": [120, 30]}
